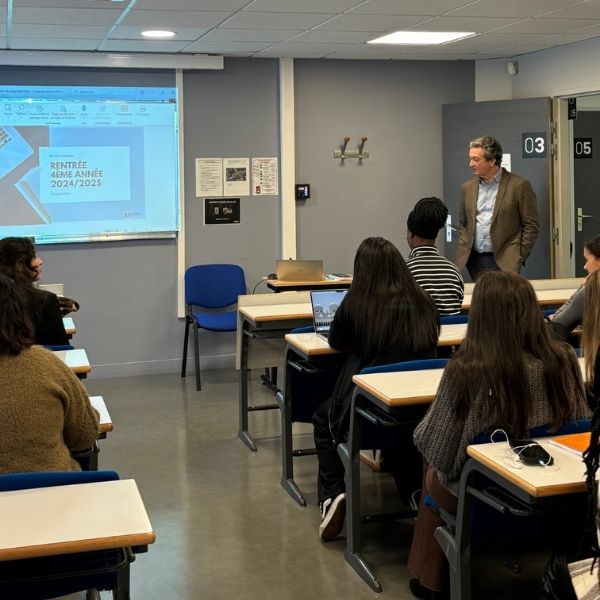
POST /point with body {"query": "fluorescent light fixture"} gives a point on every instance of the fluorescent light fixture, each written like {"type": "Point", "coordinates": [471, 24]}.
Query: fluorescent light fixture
{"type": "Point", "coordinates": [422, 38]}
{"type": "Point", "coordinates": [158, 33]}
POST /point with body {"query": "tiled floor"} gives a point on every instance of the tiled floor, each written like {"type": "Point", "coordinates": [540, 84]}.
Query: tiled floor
{"type": "Point", "coordinates": [224, 526]}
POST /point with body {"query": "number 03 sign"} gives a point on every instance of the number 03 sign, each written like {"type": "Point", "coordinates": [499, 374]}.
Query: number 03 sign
{"type": "Point", "coordinates": [534, 144]}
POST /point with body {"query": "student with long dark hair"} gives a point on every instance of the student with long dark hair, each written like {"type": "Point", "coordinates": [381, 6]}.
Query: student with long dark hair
{"type": "Point", "coordinates": [570, 314]}
{"type": "Point", "coordinates": [19, 261]}
{"type": "Point", "coordinates": [508, 373]}
{"type": "Point", "coordinates": [44, 410]}
{"type": "Point", "coordinates": [385, 317]}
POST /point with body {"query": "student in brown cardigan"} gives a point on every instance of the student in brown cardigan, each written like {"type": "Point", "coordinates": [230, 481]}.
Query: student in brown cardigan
{"type": "Point", "coordinates": [508, 373]}
{"type": "Point", "coordinates": [44, 410]}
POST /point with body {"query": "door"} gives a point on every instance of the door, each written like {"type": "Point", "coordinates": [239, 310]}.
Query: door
{"type": "Point", "coordinates": [522, 128]}
{"type": "Point", "coordinates": [586, 166]}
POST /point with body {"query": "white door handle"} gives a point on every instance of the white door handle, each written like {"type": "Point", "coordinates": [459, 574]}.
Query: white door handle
{"type": "Point", "coordinates": [581, 217]}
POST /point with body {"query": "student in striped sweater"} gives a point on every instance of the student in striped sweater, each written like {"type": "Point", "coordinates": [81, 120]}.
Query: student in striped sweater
{"type": "Point", "coordinates": [439, 277]}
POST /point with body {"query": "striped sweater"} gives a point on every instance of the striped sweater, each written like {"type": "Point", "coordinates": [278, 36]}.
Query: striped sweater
{"type": "Point", "coordinates": [439, 277]}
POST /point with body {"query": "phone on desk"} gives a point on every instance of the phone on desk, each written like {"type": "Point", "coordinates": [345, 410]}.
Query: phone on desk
{"type": "Point", "coordinates": [529, 452]}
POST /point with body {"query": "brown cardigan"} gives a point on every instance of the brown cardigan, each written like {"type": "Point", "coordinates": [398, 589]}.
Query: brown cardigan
{"type": "Point", "coordinates": [44, 413]}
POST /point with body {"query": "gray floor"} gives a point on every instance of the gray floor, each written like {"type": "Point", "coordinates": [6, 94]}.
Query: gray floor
{"type": "Point", "coordinates": [224, 526]}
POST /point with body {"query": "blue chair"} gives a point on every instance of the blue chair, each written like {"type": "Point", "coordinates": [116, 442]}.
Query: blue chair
{"type": "Point", "coordinates": [488, 508]}
{"type": "Point", "coordinates": [58, 347]}
{"type": "Point", "coordinates": [371, 428]}
{"type": "Point", "coordinates": [53, 576]}
{"type": "Point", "coordinates": [210, 287]}
{"type": "Point", "coordinates": [454, 319]}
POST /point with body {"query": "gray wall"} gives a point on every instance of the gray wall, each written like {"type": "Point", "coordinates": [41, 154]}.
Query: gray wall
{"type": "Point", "coordinates": [398, 106]}
{"type": "Point", "coordinates": [128, 320]}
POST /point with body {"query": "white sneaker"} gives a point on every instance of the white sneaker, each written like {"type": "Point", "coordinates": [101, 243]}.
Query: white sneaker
{"type": "Point", "coordinates": [333, 513]}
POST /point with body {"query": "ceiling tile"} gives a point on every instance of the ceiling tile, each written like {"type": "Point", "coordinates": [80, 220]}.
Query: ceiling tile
{"type": "Point", "coordinates": [263, 20]}
{"type": "Point", "coordinates": [249, 35]}
{"type": "Point", "coordinates": [477, 24]}
{"type": "Point", "coordinates": [354, 22]}
{"type": "Point", "coordinates": [142, 46]}
{"type": "Point", "coordinates": [407, 7]}
{"type": "Point", "coordinates": [192, 5]}
{"type": "Point", "coordinates": [124, 32]}
{"type": "Point", "coordinates": [63, 16]}
{"type": "Point", "coordinates": [296, 6]}
{"type": "Point", "coordinates": [177, 18]}
{"type": "Point", "coordinates": [36, 43]}
{"type": "Point", "coordinates": [585, 9]}
{"type": "Point", "coordinates": [509, 8]}
{"type": "Point", "coordinates": [221, 47]}
{"type": "Point", "coordinates": [303, 48]}
{"type": "Point", "coordinates": [544, 25]}
{"type": "Point", "coordinates": [59, 31]}
{"type": "Point", "coordinates": [336, 37]}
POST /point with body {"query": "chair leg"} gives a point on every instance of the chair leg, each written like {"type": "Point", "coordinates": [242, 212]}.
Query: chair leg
{"type": "Point", "coordinates": [197, 358]}
{"type": "Point", "coordinates": [186, 338]}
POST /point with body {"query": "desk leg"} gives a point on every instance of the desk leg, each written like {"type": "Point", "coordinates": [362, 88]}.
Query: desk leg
{"type": "Point", "coordinates": [287, 449]}
{"type": "Point", "coordinates": [122, 591]}
{"type": "Point", "coordinates": [243, 392]}
{"type": "Point", "coordinates": [353, 517]}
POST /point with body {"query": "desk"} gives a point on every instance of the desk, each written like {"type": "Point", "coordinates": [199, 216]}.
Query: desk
{"type": "Point", "coordinates": [69, 326]}
{"type": "Point", "coordinates": [545, 297]}
{"type": "Point", "coordinates": [263, 320]}
{"type": "Point", "coordinates": [390, 390]}
{"type": "Point", "coordinates": [320, 284]}
{"type": "Point", "coordinates": [76, 360]}
{"type": "Point", "coordinates": [72, 518]}
{"type": "Point", "coordinates": [105, 421]}
{"type": "Point", "coordinates": [529, 484]}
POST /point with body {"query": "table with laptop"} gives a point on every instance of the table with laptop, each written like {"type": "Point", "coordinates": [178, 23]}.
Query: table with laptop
{"type": "Point", "coordinates": [297, 275]}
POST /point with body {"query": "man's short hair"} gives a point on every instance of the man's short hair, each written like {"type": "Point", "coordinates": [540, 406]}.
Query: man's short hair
{"type": "Point", "coordinates": [492, 150]}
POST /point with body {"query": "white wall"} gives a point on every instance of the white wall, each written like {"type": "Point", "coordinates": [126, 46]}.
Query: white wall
{"type": "Point", "coordinates": [561, 71]}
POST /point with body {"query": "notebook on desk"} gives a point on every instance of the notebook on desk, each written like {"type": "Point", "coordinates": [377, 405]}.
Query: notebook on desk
{"type": "Point", "coordinates": [299, 270]}
{"type": "Point", "coordinates": [324, 304]}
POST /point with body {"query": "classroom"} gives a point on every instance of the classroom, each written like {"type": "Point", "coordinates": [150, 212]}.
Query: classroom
{"type": "Point", "coordinates": [223, 524]}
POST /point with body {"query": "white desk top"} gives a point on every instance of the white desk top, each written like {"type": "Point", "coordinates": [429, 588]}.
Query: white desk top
{"type": "Point", "coordinates": [105, 421]}
{"type": "Point", "coordinates": [69, 325]}
{"type": "Point", "coordinates": [276, 312]}
{"type": "Point", "coordinates": [536, 481]}
{"type": "Point", "coordinates": [76, 360]}
{"type": "Point", "coordinates": [311, 344]}
{"type": "Point", "coordinates": [545, 297]}
{"type": "Point", "coordinates": [72, 518]}
{"type": "Point", "coordinates": [402, 388]}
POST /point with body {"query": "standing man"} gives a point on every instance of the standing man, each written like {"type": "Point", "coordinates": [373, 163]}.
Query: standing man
{"type": "Point", "coordinates": [498, 217]}
{"type": "Point", "coordinates": [439, 277]}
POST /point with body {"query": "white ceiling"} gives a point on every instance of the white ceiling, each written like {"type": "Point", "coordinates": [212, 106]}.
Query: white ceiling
{"type": "Point", "coordinates": [297, 28]}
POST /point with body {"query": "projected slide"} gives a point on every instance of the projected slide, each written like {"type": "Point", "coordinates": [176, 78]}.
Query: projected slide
{"type": "Point", "coordinates": [84, 163]}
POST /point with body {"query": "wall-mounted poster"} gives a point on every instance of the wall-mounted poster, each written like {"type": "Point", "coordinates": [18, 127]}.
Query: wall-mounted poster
{"type": "Point", "coordinates": [236, 176]}
{"type": "Point", "coordinates": [209, 177]}
{"type": "Point", "coordinates": [264, 177]}
{"type": "Point", "coordinates": [221, 211]}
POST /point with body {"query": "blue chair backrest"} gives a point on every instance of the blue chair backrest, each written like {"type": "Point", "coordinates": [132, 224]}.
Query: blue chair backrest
{"type": "Point", "coordinates": [576, 426]}
{"type": "Point", "coordinates": [39, 479]}
{"type": "Point", "coordinates": [454, 319]}
{"type": "Point", "coordinates": [58, 347]}
{"type": "Point", "coordinates": [307, 329]}
{"type": "Point", "coordinates": [408, 365]}
{"type": "Point", "coordinates": [214, 286]}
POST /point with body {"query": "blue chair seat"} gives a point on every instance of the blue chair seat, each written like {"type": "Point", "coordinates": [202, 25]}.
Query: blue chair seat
{"type": "Point", "coordinates": [216, 321]}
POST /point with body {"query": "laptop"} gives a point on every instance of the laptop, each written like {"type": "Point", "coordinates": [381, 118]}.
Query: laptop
{"type": "Point", "coordinates": [299, 270]}
{"type": "Point", "coordinates": [324, 304]}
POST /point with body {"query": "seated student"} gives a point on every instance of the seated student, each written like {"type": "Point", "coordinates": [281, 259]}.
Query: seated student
{"type": "Point", "coordinates": [585, 580]}
{"type": "Point", "coordinates": [44, 410]}
{"type": "Point", "coordinates": [508, 373]}
{"type": "Point", "coordinates": [438, 276]}
{"type": "Point", "coordinates": [570, 314]}
{"type": "Point", "coordinates": [384, 318]}
{"type": "Point", "coordinates": [18, 260]}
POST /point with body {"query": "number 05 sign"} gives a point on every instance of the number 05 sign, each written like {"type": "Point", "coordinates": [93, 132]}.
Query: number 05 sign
{"type": "Point", "coordinates": [535, 144]}
{"type": "Point", "coordinates": [583, 147]}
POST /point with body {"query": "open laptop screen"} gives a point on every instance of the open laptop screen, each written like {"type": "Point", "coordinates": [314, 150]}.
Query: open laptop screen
{"type": "Point", "coordinates": [324, 304]}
